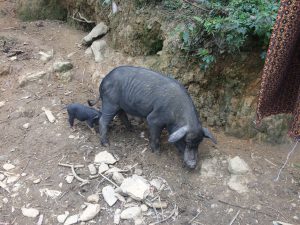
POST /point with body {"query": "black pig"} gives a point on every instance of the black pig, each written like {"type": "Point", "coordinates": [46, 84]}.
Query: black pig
{"type": "Point", "coordinates": [83, 113]}
{"type": "Point", "coordinates": [163, 101]}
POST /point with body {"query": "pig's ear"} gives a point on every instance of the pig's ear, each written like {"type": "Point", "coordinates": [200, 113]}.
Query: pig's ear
{"type": "Point", "coordinates": [178, 134]}
{"type": "Point", "coordinates": [207, 134]}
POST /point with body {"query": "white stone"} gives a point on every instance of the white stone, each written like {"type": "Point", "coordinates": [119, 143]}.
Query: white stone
{"type": "Point", "coordinates": [117, 216]}
{"type": "Point", "coordinates": [5, 200]}
{"type": "Point", "coordinates": [159, 204]}
{"type": "Point", "coordinates": [36, 181]}
{"type": "Point", "coordinates": [109, 195]}
{"type": "Point", "coordinates": [237, 166]}
{"type": "Point", "coordinates": [31, 77]}
{"type": "Point", "coordinates": [144, 208]}
{"type": "Point", "coordinates": [72, 220]}
{"type": "Point", "coordinates": [2, 177]}
{"type": "Point", "coordinates": [12, 179]}
{"type": "Point", "coordinates": [2, 103]}
{"type": "Point", "coordinates": [208, 167]}
{"type": "Point", "coordinates": [102, 168]}
{"type": "Point", "coordinates": [49, 115]}
{"type": "Point", "coordinates": [131, 213]}
{"type": "Point", "coordinates": [104, 157]}
{"type": "Point", "coordinates": [8, 166]}
{"type": "Point", "coordinates": [62, 218]}
{"type": "Point", "coordinates": [65, 77]}
{"type": "Point", "coordinates": [62, 66]}
{"type": "Point", "coordinates": [138, 221]}
{"type": "Point", "coordinates": [118, 178]}
{"type": "Point", "coordinates": [238, 183]}
{"type": "Point", "coordinates": [136, 187]}
{"type": "Point", "coordinates": [120, 197]}
{"type": "Point", "coordinates": [99, 49]}
{"type": "Point", "coordinates": [88, 51]}
{"type": "Point", "coordinates": [94, 198]}
{"type": "Point", "coordinates": [90, 212]}
{"type": "Point", "coordinates": [50, 193]}
{"type": "Point", "coordinates": [99, 30]}
{"type": "Point", "coordinates": [30, 212]}
{"type": "Point", "coordinates": [92, 169]}
{"type": "Point", "coordinates": [26, 125]}
{"type": "Point", "coordinates": [157, 183]}
{"type": "Point", "coordinates": [69, 179]}
{"type": "Point", "coordinates": [138, 172]}
{"type": "Point", "coordinates": [45, 57]}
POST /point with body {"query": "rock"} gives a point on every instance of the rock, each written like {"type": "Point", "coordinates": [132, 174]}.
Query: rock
{"type": "Point", "coordinates": [99, 49]}
{"type": "Point", "coordinates": [208, 167]}
{"type": "Point", "coordinates": [49, 115]}
{"type": "Point", "coordinates": [136, 187]}
{"type": "Point", "coordinates": [94, 198]}
{"type": "Point", "coordinates": [36, 181]}
{"type": "Point", "coordinates": [117, 216]}
{"type": "Point", "coordinates": [45, 57]}
{"type": "Point", "coordinates": [131, 213]}
{"type": "Point", "coordinates": [138, 221]}
{"type": "Point", "coordinates": [238, 183]}
{"type": "Point", "coordinates": [237, 166]}
{"type": "Point", "coordinates": [144, 208]}
{"type": "Point", "coordinates": [2, 177]}
{"type": "Point", "coordinates": [8, 166]}
{"type": "Point", "coordinates": [72, 220]}
{"type": "Point", "coordinates": [281, 223]}
{"type": "Point", "coordinates": [62, 66]}
{"type": "Point", "coordinates": [90, 212]}
{"type": "Point", "coordinates": [65, 77]}
{"type": "Point", "coordinates": [102, 168]}
{"type": "Point", "coordinates": [88, 51]}
{"type": "Point", "coordinates": [118, 178]}
{"type": "Point", "coordinates": [99, 30]}
{"type": "Point", "coordinates": [69, 179]}
{"type": "Point", "coordinates": [138, 172]}
{"type": "Point", "coordinates": [2, 103]}
{"type": "Point", "coordinates": [5, 200]}
{"type": "Point", "coordinates": [50, 193]}
{"type": "Point", "coordinates": [157, 183]}
{"type": "Point", "coordinates": [109, 195]}
{"type": "Point", "coordinates": [4, 70]}
{"type": "Point", "coordinates": [26, 125]}
{"type": "Point", "coordinates": [62, 218]}
{"type": "Point", "coordinates": [120, 197]}
{"type": "Point", "coordinates": [31, 77]}
{"type": "Point", "coordinates": [12, 179]}
{"type": "Point", "coordinates": [159, 204]}
{"type": "Point", "coordinates": [104, 157]}
{"type": "Point", "coordinates": [97, 77]}
{"type": "Point", "coordinates": [92, 169]}
{"type": "Point", "coordinates": [30, 212]}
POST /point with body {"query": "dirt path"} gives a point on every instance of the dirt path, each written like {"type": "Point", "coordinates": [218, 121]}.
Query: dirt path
{"type": "Point", "coordinates": [37, 150]}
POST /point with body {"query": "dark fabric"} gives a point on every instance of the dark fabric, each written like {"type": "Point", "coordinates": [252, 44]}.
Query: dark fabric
{"type": "Point", "coordinates": [280, 87]}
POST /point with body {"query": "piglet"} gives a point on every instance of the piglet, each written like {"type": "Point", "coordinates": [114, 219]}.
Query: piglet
{"type": "Point", "coordinates": [83, 113]}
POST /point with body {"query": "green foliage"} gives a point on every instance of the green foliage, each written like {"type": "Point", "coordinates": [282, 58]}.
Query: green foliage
{"type": "Point", "coordinates": [228, 27]}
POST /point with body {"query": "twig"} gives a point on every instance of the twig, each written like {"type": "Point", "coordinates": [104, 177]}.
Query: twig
{"type": "Point", "coordinates": [234, 218]}
{"type": "Point", "coordinates": [162, 211]}
{"type": "Point", "coordinates": [70, 166]}
{"type": "Point", "coordinates": [277, 211]}
{"type": "Point", "coordinates": [106, 178]}
{"type": "Point", "coordinates": [247, 208]}
{"type": "Point", "coordinates": [77, 177]}
{"type": "Point", "coordinates": [196, 5]}
{"type": "Point", "coordinates": [287, 158]}
{"type": "Point", "coordinates": [199, 211]}
{"type": "Point", "coordinates": [87, 21]}
{"type": "Point", "coordinates": [270, 162]}
{"type": "Point", "coordinates": [161, 221]}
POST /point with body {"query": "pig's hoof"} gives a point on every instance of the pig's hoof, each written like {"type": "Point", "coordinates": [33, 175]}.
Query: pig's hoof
{"type": "Point", "coordinates": [105, 143]}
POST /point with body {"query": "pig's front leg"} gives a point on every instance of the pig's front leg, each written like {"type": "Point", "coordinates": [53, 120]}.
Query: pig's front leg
{"type": "Point", "coordinates": [155, 132]}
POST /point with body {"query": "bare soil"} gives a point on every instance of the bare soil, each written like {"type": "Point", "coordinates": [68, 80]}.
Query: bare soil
{"type": "Point", "coordinates": [36, 151]}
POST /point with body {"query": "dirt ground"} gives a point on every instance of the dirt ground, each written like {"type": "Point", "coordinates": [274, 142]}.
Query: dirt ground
{"type": "Point", "coordinates": [37, 150]}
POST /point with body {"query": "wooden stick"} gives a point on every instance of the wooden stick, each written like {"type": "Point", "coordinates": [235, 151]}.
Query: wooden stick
{"type": "Point", "coordinates": [106, 178]}
{"type": "Point", "coordinates": [77, 177]}
{"type": "Point", "coordinates": [234, 218]}
{"type": "Point", "coordinates": [70, 166]}
{"type": "Point", "coordinates": [199, 211]}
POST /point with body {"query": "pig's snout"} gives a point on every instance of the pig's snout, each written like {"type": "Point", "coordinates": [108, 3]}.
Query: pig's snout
{"type": "Point", "coordinates": [190, 158]}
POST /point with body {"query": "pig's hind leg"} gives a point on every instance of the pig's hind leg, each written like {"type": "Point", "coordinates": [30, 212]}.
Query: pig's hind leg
{"type": "Point", "coordinates": [123, 117]}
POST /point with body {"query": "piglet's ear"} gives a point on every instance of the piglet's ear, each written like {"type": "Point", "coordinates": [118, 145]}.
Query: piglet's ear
{"type": "Point", "coordinates": [178, 134]}
{"type": "Point", "coordinates": [207, 134]}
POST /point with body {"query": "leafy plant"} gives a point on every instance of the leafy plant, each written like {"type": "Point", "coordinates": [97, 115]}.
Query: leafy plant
{"type": "Point", "coordinates": [228, 27]}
